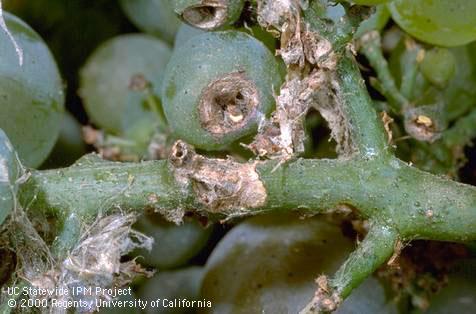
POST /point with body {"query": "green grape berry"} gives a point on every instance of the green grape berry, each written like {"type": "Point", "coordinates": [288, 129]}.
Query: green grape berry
{"type": "Point", "coordinates": [438, 66]}
{"type": "Point", "coordinates": [173, 245]}
{"type": "Point", "coordinates": [263, 36]}
{"type": "Point", "coordinates": [472, 51]}
{"type": "Point", "coordinates": [369, 298]}
{"type": "Point", "coordinates": [166, 287]}
{"type": "Point", "coordinates": [209, 14]}
{"type": "Point", "coordinates": [111, 75]}
{"type": "Point", "coordinates": [155, 17]}
{"type": "Point", "coordinates": [217, 87]}
{"type": "Point", "coordinates": [268, 264]}
{"type": "Point", "coordinates": [10, 171]}
{"type": "Point", "coordinates": [438, 22]}
{"type": "Point", "coordinates": [460, 94]}
{"type": "Point", "coordinates": [31, 94]}
{"type": "Point", "coordinates": [185, 33]}
{"type": "Point", "coordinates": [138, 137]}
{"type": "Point", "coordinates": [376, 22]}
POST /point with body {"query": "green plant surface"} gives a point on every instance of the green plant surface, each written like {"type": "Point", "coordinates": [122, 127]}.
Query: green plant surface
{"type": "Point", "coordinates": [440, 22]}
{"type": "Point", "coordinates": [438, 66]}
{"type": "Point", "coordinates": [10, 171]}
{"type": "Point", "coordinates": [372, 185]}
{"type": "Point", "coordinates": [79, 218]}
{"type": "Point", "coordinates": [170, 285]}
{"type": "Point", "coordinates": [173, 245]}
{"type": "Point", "coordinates": [408, 93]}
{"type": "Point", "coordinates": [238, 60]}
{"type": "Point", "coordinates": [185, 33]}
{"type": "Point", "coordinates": [70, 145]}
{"type": "Point", "coordinates": [278, 256]}
{"type": "Point", "coordinates": [107, 76]}
{"type": "Point", "coordinates": [156, 17]}
{"type": "Point", "coordinates": [401, 202]}
{"type": "Point", "coordinates": [31, 93]}
{"type": "Point", "coordinates": [376, 21]}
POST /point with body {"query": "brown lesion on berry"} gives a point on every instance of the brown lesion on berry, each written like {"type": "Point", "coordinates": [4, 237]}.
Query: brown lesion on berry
{"type": "Point", "coordinates": [139, 83]}
{"type": "Point", "coordinates": [422, 126]}
{"type": "Point", "coordinates": [207, 15]}
{"type": "Point", "coordinates": [220, 185]}
{"type": "Point", "coordinates": [228, 104]}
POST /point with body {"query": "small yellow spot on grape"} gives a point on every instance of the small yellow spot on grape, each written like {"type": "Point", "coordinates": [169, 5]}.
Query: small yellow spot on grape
{"type": "Point", "coordinates": [237, 118]}
{"type": "Point", "coordinates": [426, 121]}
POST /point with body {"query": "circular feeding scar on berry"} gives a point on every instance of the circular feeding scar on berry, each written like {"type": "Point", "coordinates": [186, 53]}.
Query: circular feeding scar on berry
{"type": "Point", "coordinates": [208, 15]}
{"type": "Point", "coordinates": [228, 104]}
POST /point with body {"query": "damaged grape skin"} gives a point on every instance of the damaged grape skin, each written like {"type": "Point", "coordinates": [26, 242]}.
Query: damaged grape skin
{"type": "Point", "coordinates": [31, 95]}
{"type": "Point", "coordinates": [209, 14]}
{"type": "Point", "coordinates": [217, 87]}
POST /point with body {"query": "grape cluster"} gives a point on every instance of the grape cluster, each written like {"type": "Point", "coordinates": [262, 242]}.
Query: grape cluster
{"type": "Point", "coordinates": [206, 73]}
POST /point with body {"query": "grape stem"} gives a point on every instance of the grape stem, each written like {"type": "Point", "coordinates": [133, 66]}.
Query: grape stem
{"type": "Point", "coordinates": [402, 202]}
{"type": "Point", "coordinates": [417, 204]}
{"type": "Point", "coordinates": [370, 47]}
{"type": "Point", "coordinates": [376, 248]}
{"type": "Point", "coordinates": [424, 123]}
{"type": "Point", "coordinates": [156, 107]}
